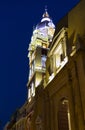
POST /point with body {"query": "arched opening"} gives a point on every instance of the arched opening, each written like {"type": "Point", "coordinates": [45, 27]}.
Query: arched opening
{"type": "Point", "coordinates": [64, 115]}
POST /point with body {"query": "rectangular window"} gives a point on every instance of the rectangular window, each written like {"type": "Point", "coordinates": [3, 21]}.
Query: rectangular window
{"type": "Point", "coordinates": [33, 89]}
{"type": "Point", "coordinates": [60, 54]}
{"type": "Point", "coordinates": [44, 51]}
{"type": "Point", "coordinates": [43, 61]}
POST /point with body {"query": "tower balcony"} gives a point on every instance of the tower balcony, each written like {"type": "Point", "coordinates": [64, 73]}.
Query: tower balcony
{"type": "Point", "coordinates": [40, 69]}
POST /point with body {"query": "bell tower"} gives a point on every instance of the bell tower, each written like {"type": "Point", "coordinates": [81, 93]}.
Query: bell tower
{"type": "Point", "coordinates": [37, 52]}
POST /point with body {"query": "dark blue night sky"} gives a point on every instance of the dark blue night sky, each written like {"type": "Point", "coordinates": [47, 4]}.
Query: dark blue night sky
{"type": "Point", "coordinates": [17, 18]}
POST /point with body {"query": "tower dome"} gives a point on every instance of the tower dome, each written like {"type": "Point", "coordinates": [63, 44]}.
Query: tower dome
{"type": "Point", "coordinates": [43, 31]}
{"type": "Point", "coordinates": [46, 21]}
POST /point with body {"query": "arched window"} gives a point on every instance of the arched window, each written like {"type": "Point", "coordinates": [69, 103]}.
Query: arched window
{"type": "Point", "coordinates": [38, 123]}
{"type": "Point", "coordinates": [64, 115]}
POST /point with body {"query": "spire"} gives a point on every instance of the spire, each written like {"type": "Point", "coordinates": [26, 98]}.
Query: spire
{"type": "Point", "coordinates": [46, 13]}
{"type": "Point", "coordinates": [46, 8]}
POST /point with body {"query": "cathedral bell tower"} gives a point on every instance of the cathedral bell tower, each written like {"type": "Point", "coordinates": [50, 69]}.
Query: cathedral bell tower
{"type": "Point", "coordinates": [38, 48]}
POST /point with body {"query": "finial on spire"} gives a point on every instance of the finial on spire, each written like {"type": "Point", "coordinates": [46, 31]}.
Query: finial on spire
{"type": "Point", "coordinates": [45, 8]}
{"type": "Point", "coordinates": [46, 13]}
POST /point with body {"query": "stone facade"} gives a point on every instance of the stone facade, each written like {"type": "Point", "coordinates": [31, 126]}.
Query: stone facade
{"type": "Point", "coordinates": [59, 101]}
